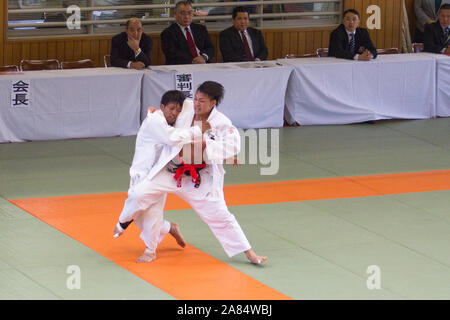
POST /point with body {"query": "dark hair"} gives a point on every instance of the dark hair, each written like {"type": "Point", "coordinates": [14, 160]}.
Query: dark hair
{"type": "Point", "coordinates": [213, 90]}
{"type": "Point", "coordinates": [352, 11]}
{"type": "Point", "coordinates": [445, 6]}
{"type": "Point", "coordinates": [182, 2]}
{"type": "Point", "coordinates": [239, 9]}
{"type": "Point", "coordinates": [173, 96]}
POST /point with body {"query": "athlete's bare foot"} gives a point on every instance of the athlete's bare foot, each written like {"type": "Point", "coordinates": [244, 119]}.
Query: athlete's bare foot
{"type": "Point", "coordinates": [147, 256]}
{"type": "Point", "coordinates": [254, 258]}
{"type": "Point", "coordinates": [175, 232]}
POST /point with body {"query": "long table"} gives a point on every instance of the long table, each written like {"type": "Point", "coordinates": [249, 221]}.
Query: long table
{"type": "Point", "coordinates": [62, 104]}
{"type": "Point", "coordinates": [80, 103]}
{"type": "Point", "coordinates": [337, 91]}
{"type": "Point", "coordinates": [443, 86]}
{"type": "Point", "coordinates": [254, 92]}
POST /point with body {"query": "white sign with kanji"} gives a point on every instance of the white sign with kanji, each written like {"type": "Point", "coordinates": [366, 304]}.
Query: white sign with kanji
{"type": "Point", "coordinates": [185, 83]}
{"type": "Point", "coordinates": [20, 93]}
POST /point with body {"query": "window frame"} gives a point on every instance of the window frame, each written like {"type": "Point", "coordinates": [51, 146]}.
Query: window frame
{"type": "Point", "coordinates": [259, 19]}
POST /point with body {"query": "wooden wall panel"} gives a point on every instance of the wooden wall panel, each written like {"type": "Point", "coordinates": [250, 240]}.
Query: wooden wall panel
{"type": "Point", "coordinates": [25, 50]}
{"type": "Point", "coordinates": [389, 27]}
{"type": "Point", "coordinates": [317, 36]}
{"type": "Point", "coordinates": [103, 46]}
{"type": "Point", "coordinates": [77, 50]}
{"type": "Point", "coordinates": [34, 50]}
{"type": "Point", "coordinates": [68, 50]}
{"type": "Point", "coordinates": [301, 48]}
{"type": "Point", "coordinates": [60, 50]}
{"type": "Point", "coordinates": [397, 20]}
{"type": "Point", "coordinates": [51, 50]}
{"type": "Point", "coordinates": [16, 53]}
{"type": "Point", "coordinates": [3, 24]}
{"type": "Point", "coordinates": [325, 38]}
{"type": "Point", "coordinates": [93, 52]}
{"type": "Point", "coordinates": [411, 16]}
{"type": "Point", "coordinates": [8, 57]}
{"type": "Point", "coordinates": [268, 37]}
{"type": "Point", "coordinates": [309, 48]}
{"type": "Point", "coordinates": [285, 49]}
{"type": "Point", "coordinates": [43, 50]}
{"type": "Point", "coordinates": [279, 42]}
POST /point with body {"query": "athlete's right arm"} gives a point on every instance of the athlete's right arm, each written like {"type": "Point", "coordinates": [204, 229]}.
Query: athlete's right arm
{"type": "Point", "coordinates": [160, 132]}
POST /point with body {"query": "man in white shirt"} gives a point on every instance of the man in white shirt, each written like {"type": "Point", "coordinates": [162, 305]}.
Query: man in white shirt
{"type": "Point", "coordinates": [426, 13]}
{"type": "Point", "coordinates": [241, 42]}
{"type": "Point", "coordinates": [185, 42]}
{"type": "Point", "coordinates": [349, 41]}
{"type": "Point", "coordinates": [132, 48]}
{"type": "Point", "coordinates": [437, 34]}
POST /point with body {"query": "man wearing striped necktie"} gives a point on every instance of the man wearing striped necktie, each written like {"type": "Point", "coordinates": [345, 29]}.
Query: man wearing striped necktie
{"type": "Point", "coordinates": [349, 41]}
{"type": "Point", "coordinates": [426, 13]}
{"type": "Point", "coordinates": [437, 34]}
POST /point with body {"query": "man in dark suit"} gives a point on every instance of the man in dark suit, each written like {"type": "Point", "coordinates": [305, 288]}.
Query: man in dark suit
{"type": "Point", "coordinates": [426, 13]}
{"type": "Point", "coordinates": [437, 34]}
{"type": "Point", "coordinates": [348, 41]}
{"type": "Point", "coordinates": [241, 42]}
{"type": "Point", "coordinates": [185, 42]}
{"type": "Point", "coordinates": [132, 48]}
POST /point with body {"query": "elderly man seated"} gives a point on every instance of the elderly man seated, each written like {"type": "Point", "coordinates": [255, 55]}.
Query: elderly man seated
{"type": "Point", "coordinates": [132, 48]}
{"type": "Point", "coordinates": [185, 42]}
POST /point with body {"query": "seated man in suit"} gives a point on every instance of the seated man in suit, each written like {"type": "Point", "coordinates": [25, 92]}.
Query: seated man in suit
{"type": "Point", "coordinates": [185, 42]}
{"type": "Point", "coordinates": [348, 41]}
{"type": "Point", "coordinates": [241, 42]}
{"type": "Point", "coordinates": [426, 13]}
{"type": "Point", "coordinates": [437, 34]}
{"type": "Point", "coordinates": [131, 48]}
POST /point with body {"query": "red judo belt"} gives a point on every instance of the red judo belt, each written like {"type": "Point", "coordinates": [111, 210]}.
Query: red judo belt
{"type": "Point", "coordinates": [189, 169]}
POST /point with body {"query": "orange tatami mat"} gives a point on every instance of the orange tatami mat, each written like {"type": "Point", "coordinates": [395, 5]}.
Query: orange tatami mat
{"type": "Point", "coordinates": [190, 273]}
{"type": "Point", "coordinates": [185, 274]}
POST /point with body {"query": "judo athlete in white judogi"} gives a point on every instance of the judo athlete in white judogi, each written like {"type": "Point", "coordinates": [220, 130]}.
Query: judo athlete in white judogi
{"type": "Point", "coordinates": [206, 196]}
{"type": "Point", "coordinates": [155, 132]}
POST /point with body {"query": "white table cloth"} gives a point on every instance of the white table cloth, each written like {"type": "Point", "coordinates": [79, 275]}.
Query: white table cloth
{"type": "Point", "coordinates": [443, 86]}
{"type": "Point", "coordinates": [254, 92]}
{"type": "Point", "coordinates": [75, 103]}
{"type": "Point", "coordinates": [101, 102]}
{"type": "Point", "coordinates": [338, 91]}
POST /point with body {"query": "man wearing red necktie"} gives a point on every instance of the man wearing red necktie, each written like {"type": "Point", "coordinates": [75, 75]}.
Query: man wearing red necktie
{"type": "Point", "coordinates": [185, 42]}
{"type": "Point", "coordinates": [241, 42]}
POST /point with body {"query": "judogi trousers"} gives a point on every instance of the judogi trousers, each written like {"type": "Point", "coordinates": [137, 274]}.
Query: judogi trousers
{"type": "Point", "coordinates": [213, 210]}
{"type": "Point", "coordinates": [153, 229]}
